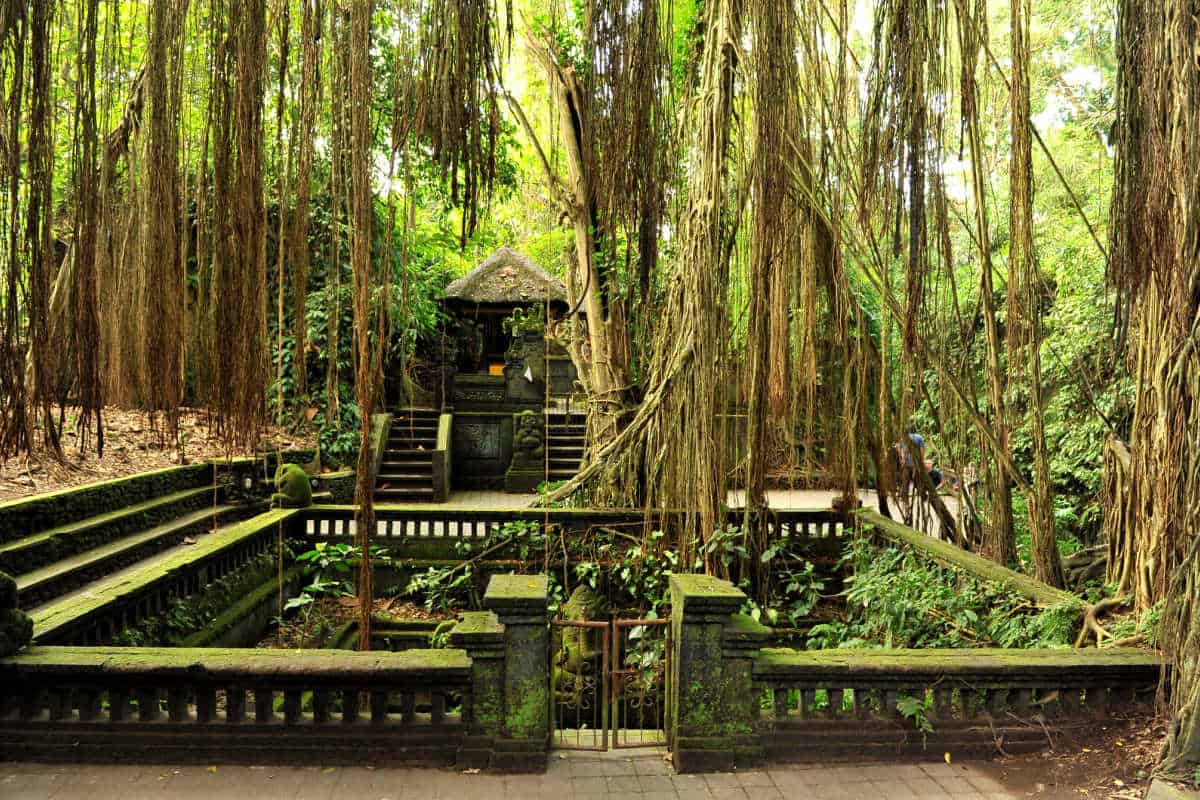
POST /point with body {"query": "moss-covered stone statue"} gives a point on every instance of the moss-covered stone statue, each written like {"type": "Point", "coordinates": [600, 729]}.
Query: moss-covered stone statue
{"type": "Point", "coordinates": [16, 628]}
{"type": "Point", "coordinates": [294, 490]}
{"type": "Point", "coordinates": [576, 662]}
{"type": "Point", "coordinates": [528, 441]}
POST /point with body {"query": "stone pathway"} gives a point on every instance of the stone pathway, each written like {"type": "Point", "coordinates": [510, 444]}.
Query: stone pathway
{"type": "Point", "coordinates": [571, 776]}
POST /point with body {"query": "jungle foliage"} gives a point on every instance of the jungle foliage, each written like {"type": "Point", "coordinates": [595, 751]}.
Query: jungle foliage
{"type": "Point", "coordinates": [974, 217]}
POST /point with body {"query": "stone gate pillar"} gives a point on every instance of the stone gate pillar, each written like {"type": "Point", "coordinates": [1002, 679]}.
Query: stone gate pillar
{"type": "Point", "coordinates": [519, 603]}
{"type": "Point", "coordinates": [712, 703]}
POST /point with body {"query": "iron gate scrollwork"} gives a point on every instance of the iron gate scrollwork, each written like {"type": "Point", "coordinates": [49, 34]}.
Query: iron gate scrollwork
{"type": "Point", "coordinates": [609, 683]}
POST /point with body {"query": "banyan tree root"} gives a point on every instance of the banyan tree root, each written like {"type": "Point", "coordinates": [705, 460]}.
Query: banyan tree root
{"type": "Point", "coordinates": [1091, 623]}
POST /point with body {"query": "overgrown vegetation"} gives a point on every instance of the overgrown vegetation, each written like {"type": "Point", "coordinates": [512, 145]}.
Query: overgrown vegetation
{"type": "Point", "coordinates": [978, 218]}
{"type": "Point", "coordinates": [895, 598]}
{"type": "Point", "coordinates": [188, 615]}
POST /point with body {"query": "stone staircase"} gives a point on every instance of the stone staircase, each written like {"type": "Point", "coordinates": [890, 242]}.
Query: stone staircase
{"type": "Point", "coordinates": [85, 550]}
{"type": "Point", "coordinates": [566, 433]}
{"type": "Point", "coordinates": [406, 470]}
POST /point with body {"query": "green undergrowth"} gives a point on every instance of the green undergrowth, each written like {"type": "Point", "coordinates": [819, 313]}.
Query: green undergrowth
{"type": "Point", "coordinates": [187, 615]}
{"type": "Point", "coordinates": [897, 599]}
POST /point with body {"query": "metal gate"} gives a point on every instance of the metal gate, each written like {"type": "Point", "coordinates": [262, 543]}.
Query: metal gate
{"type": "Point", "coordinates": [609, 683]}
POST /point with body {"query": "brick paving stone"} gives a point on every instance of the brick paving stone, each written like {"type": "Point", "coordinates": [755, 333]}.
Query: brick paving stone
{"type": "Point", "coordinates": [755, 778]}
{"type": "Point", "coordinates": [905, 772]}
{"type": "Point", "coordinates": [880, 773]}
{"type": "Point", "coordinates": [956, 785]}
{"type": "Point", "coordinates": [822, 777]}
{"type": "Point", "coordinates": [936, 769]}
{"type": "Point", "coordinates": [652, 766]}
{"type": "Point", "coordinates": [590, 784]}
{"type": "Point", "coordinates": [786, 775]}
{"type": "Point", "coordinates": [583, 768]}
{"type": "Point", "coordinates": [985, 784]}
{"type": "Point", "coordinates": [655, 783]}
{"type": "Point", "coordinates": [564, 780]}
{"type": "Point", "coordinates": [841, 791]}
{"type": "Point", "coordinates": [897, 789]}
{"type": "Point", "coordinates": [722, 780]}
{"type": "Point", "coordinates": [926, 787]}
{"type": "Point", "coordinates": [796, 792]}
{"type": "Point", "coordinates": [729, 793]}
{"type": "Point", "coordinates": [623, 785]}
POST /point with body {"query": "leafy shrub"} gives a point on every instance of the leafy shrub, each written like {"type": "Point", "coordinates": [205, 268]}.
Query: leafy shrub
{"type": "Point", "coordinates": [896, 598]}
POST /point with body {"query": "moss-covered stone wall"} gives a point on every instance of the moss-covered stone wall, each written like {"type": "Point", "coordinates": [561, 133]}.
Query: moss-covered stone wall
{"type": "Point", "coordinates": [29, 515]}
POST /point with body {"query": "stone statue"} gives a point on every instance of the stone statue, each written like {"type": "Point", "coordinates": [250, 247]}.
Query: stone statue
{"type": "Point", "coordinates": [574, 670]}
{"type": "Point", "coordinates": [16, 628]}
{"type": "Point", "coordinates": [294, 489]}
{"type": "Point", "coordinates": [528, 441]}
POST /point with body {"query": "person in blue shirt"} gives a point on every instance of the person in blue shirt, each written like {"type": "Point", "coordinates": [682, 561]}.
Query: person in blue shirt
{"type": "Point", "coordinates": [918, 445]}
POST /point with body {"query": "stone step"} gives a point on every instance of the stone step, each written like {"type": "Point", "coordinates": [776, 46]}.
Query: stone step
{"type": "Point", "coordinates": [396, 478]}
{"type": "Point", "coordinates": [42, 585]}
{"type": "Point", "coordinates": [44, 548]}
{"type": "Point", "coordinates": [424, 494]}
{"type": "Point", "coordinates": [408, 454]}
{"type": "Point", "coordinates": [420, 426]}
{"type": "Point", "coordinates": [572, 464]}
{"type": "Point", "coordinates": [67, 617]}
{"type": "Point", "coordinates": [406, 439]}
{"type": "Point", "coordinates": [424, 465]}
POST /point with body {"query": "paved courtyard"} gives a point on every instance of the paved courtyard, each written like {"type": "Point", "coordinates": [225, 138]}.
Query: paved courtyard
{"type": "Point", "coordinates": [570, 776]}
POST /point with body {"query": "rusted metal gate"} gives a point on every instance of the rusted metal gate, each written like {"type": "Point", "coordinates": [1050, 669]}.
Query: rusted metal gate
{"type": "Point", "coordinates": [609, 683]}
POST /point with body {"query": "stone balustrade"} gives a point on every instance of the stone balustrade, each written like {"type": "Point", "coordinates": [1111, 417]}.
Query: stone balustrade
{"type": "Point", "coordinates": [735, 703]}
{"type": "Point", "coordinates": [199, 705]}
{"type": "Point", "coordinates": [430, 532]}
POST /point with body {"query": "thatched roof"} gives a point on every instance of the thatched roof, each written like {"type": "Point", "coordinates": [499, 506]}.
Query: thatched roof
{"type": "Point", "coordinates": [506, 277]}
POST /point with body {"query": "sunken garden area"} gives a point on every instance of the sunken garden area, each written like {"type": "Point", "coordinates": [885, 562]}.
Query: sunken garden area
{"type": "Point", "coordinates": [174, 616]}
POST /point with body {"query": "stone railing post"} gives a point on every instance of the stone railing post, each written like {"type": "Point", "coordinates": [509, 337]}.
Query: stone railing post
{"type": "Point", "coordinates": [481, 634]}
{"type": "Point", "coordinates": [713, 705]}
{"type": "Point", "coordinates": [519, 604]}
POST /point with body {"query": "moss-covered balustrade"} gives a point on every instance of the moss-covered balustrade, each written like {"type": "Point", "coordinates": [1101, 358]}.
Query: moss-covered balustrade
{"type": "Point", "coordinates": [733, 702]}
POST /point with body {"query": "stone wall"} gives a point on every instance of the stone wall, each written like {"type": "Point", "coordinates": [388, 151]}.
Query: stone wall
{"type": "Point", "coordinates": [26, 516]}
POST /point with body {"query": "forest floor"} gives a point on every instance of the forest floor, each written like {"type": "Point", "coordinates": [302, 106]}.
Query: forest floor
{"type": "Point", "coordinates": [313, 626]}
{"type": "Point", "coordinates": [133, 442]}
{"type": "Point", "coordinates": [1112, 761]}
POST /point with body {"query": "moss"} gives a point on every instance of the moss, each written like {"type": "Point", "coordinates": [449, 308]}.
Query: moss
{"type": "Point", "coordinates": [238, 663]}
{"type": "Point", "coordinates": [28, 515]}
{"type": "Point", "coordinates": [746, 624]}
{"type": "Point", "coordinates": [477, 623]}
{"type": "Point", "coordinates": [16, 631]}
{"type": "Point", "coordinates": [705, 710]}
{"type": "Point", "coordinates": [48, 546]}
{"type": "Point", "coordinates": [294, 490]}
{"type": "Point", "coordinates": [529, 717]}
{"type": "Point", "coordinates": [264, 589]}
{"type": "Point", "coordinates": [953, 556]}
{"type": "Point", "coordinates": [947, 661]}
{"type": "Point", "coordinates": [517, 588]}
{"type": "Point", "coordinates": [55, 617]}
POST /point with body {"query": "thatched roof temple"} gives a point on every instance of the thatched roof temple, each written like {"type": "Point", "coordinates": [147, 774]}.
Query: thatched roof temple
{"type": "Point", "coordinates": [506, 277]}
